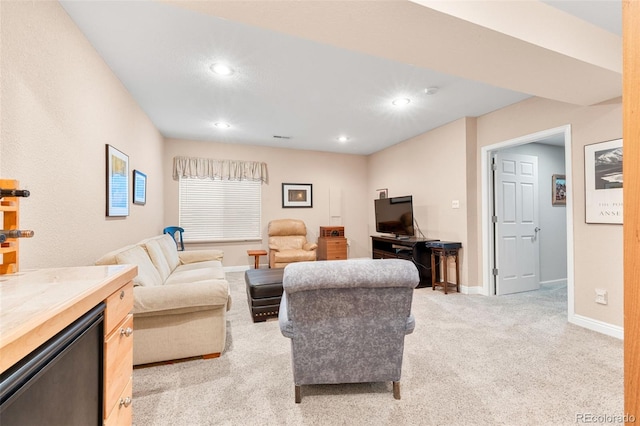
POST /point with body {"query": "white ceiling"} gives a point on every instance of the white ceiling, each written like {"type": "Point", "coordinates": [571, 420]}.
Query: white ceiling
{"type": "Point", "coordinates": [314, 70]}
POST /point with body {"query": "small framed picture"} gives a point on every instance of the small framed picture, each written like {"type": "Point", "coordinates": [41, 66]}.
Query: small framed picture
{"type": "Point", "coordinates": [139, 187]}
{"type": "Point", "coordinates": [559, 190]}
{"type": "Point", "coordinates": [117, 182]}
{"type": "Point", "coordinates": [297, 195]}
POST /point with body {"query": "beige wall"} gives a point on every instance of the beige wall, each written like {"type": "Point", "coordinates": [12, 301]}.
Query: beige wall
{"type": "Point", "coordinates": [597, 248]}
{"type": "Point", "coordinates": [60, 105]}
{"type": "Point", "coordinates": [339, 182]}
{"type": "Point", "coordinates": [432, 168]}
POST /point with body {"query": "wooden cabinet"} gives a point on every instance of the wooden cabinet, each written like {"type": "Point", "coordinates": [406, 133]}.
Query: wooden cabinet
{"type": "Point", "coordinates": [332, 245]}
{"type": "Point", "coordinates": [413, 249]}
{"type": "Point", "coordinates": [39, 304]}
{"type": "Point", "coordinates": [118, 355]}
{"type": "Point", "coordinates": [332, 248]}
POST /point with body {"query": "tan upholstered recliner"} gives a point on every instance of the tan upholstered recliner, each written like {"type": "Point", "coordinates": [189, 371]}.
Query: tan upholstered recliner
{"type": "Point", "coordinates": [288, 243]}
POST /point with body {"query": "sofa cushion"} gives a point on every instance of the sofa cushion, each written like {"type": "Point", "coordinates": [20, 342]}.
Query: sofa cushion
{"type": "Point", "coordinates": [197, 256]}
{"type": "Point", "coordinates": [294, 242]}
{"type": "Point", "coordinates": [188, 275]}
{"type": "Point", "coordinates": [170, 250]}
{"type": "Point", "coordinates": [289, 256]}
{"type": "Point", "coordinates": [214, 265]}
{"type": "Point", "coordinates": [110, 258]}
{"type": "Point", "coordinates": [148, 275]}
{"type": "Point", "coordinates": [158, 258]}
{"type": "Point", "coordinates": [181, 298]}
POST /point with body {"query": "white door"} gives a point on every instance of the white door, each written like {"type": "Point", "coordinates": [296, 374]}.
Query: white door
{"type": "Point", "coordinates": [517, 256]}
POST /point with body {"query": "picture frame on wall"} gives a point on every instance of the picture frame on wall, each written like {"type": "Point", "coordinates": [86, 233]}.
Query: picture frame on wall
{"type": "Point", "coordinates": [117, 182]}
{"type": "Point", "coordinates": [559, 190]}
{"type": "Point", "coordinates": [139, 188]}
{"type": "Point", "coordinates": [297, 195]}
{"type": "Point", "coordinates": [603, 182]}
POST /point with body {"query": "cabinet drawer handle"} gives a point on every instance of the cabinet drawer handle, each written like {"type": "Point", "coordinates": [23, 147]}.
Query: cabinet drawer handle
{"type": "Point", "coordinates": [125, 401]}
{"type": "Point", "coordinates": [122, 295]}
{"type": "Point", "coordinates": [126, 331]}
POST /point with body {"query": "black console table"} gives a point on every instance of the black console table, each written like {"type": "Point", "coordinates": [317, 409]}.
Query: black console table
{"type": "Point", "coordinates": [413, 249]}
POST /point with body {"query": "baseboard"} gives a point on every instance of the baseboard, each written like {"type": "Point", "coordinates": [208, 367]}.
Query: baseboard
{"type": "Point", "coordinates": [599, 326]}
{"type": "Point", "coordinates": [471, 290]}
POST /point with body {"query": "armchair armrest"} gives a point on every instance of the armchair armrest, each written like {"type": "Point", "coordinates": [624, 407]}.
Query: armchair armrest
{"type": "Point", "coordinates": [186, 296]}
{"type": "Point", "coordinates": [286, 326]}
{"type": "Point", "coordinates": [310, 246]}
{"type": "Point", "coordinates": [194, 256]}
{"type": "Point", "coordinates": [411, 324]}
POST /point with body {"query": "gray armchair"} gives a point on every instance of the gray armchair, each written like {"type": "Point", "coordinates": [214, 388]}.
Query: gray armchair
{"type": "Point", "coordinates": [347, 320]}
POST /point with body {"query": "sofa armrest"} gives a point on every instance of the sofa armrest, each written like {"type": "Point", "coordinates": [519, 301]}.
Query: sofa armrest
{"type": "Point", "coordinates": [194, 256]}
{"type": "Point", "coordinates": [310, 246]}
{"type": "Point", "coordinates": [176, 297]}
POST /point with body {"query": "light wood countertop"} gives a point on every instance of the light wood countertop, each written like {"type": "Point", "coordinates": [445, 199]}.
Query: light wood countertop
{"type": "Point", "coordinates": [36, 305]}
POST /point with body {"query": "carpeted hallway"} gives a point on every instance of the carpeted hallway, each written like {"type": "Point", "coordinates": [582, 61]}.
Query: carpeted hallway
{"type": "Point", "coordinates": [472, 360]}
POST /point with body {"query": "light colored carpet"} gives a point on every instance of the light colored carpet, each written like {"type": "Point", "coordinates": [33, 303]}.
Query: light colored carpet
{"type": "Point", "coordinates": [472, 360]}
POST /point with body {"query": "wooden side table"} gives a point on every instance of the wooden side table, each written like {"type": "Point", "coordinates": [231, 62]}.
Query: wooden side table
{"type": "Point", "coordinates": [443, 253]}
{"type": "Point", "coordinates": [256, 256]}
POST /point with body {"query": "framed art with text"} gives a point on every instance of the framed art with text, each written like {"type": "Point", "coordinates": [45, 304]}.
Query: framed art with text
{"type": "Point", "coordinates": [603, 182]}
{"type": "Point", "coordinates": [139, 187]}
{"type": "Point", "coordinates": [297, 195]}
{"type": "Point", "coordinates": [117, 182]}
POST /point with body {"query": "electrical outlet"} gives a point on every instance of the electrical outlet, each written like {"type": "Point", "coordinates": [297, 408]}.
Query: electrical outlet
{"type": "Point", "coordinates": [455, 204]}
{"type": "Point", "coordinates": [601, 296]}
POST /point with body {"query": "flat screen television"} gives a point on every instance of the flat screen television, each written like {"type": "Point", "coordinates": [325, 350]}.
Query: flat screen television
{"type": "Point", "coordinates": [395, 216]}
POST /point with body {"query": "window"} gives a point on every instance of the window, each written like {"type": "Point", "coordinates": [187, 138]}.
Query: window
{"type": "Point", "coordinates": [220, 210]}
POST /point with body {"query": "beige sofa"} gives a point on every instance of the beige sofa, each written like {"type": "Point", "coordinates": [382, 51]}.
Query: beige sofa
{"type": "Point", "coordinates": [180, 300]}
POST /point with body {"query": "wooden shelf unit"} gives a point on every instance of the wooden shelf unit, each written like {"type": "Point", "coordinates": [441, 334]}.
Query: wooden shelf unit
{"type": "Point", "coordinates": [10, 208]}
{"type": "Point", "coordinates": [332, 245]}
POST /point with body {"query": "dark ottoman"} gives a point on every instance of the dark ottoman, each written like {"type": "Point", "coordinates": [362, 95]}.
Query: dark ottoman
{"type": "Point", "coordinates": [264, 291]}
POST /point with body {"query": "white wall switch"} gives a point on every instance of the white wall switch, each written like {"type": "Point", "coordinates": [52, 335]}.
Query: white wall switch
{"type": "Point", "coordinates": [455, 204]}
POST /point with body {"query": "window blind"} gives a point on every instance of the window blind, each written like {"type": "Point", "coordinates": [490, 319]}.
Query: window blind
{"type": "Point", "coordinates": [220, 210]}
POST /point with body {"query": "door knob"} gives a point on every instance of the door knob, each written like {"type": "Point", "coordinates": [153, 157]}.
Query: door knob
{"type": "Point", "coordinates": [537, 229]}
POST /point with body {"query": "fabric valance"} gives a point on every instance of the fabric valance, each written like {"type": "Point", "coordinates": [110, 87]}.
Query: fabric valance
{"type": "Point", "coordinates": [193, 167]}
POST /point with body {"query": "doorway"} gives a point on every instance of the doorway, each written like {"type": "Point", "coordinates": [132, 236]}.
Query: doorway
{"type": "Point", "coordinates": [559, 134]}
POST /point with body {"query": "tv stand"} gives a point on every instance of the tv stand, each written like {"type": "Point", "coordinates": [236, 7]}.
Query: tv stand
{"type": "Point", "coordinates": [408, 248]}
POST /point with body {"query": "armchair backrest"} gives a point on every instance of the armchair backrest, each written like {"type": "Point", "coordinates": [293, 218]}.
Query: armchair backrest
{"type": "Point", "coordinates": [347, 319]}
{"type": "Point", "coordinates": [287, 234]}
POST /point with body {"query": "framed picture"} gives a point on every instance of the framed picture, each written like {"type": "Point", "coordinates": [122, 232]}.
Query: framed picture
{"type": "Point", "coordinates": [139, 187]}
{"type": "Point", "coordinates": [558, 190]}
{"type": "Point", "coordinates": [603, 182]}
{"type": "Point", "coordinates": [117, 182]}
{"type": "Point", "coordinates": [297, 195]}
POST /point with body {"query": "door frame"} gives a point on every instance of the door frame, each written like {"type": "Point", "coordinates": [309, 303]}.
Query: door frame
{"type": "Point", "coordinates": [488, 283]}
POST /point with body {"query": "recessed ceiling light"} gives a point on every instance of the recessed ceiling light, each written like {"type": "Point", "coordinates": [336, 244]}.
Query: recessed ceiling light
{"type": "Point", "coordinates": [222, 125]}
{"type": "Point", "coordinates": [342, 138]}
{"type": "Point", "coordinates": [401, 101]}
{"type": "Point", "coordinates": [222, 69]}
